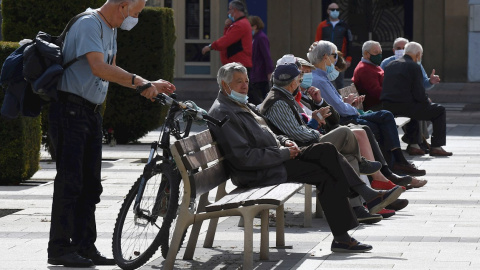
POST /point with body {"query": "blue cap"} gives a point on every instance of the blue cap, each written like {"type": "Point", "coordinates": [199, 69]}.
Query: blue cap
{"type": "Point", "coordinates": [286, 73]}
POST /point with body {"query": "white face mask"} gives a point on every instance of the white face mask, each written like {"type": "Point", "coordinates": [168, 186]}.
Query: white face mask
{"type": "Point", "coordinates": [129, 22]}
{"type": "Point", "coordinates": [238, 97]}
{"type": "Point", "coordinates": [399, 53]}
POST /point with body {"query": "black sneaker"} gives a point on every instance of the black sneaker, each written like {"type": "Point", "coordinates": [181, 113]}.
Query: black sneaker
{"type": "Point", "coordinates": [71, 260]}
{"type": "Point", "coordinates": [98, 258]}
{"type": "Point", "coordinates": [383, 199]}
{"type": "Point", "coordinates": [397, 205]}
{"type": "Point", "coordinates": [363, 216]}
{"type": "Point", "coordinates": [369, 167]}
{"type": "Point", "coordinates": [351, 247]}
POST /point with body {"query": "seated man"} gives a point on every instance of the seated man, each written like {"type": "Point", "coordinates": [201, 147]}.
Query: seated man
{"type": "Point", "coordinates": [403, 94]}
{"type": "Point", "coordinates": [255, 157]}
{"type": "Point", "coordinates": [368, 76]}
{"type": "Point", "coordinates": [382, 123]}
{"type": "Point", "coordinates": [416, 146]}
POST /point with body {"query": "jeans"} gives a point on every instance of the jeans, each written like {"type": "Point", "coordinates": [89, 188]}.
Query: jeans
{"type": "Point", "coordinates": [76, 133]}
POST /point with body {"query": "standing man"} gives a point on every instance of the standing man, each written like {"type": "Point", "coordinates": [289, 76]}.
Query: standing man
{"type": "Point", "coordinates": [403, 94]}
{"type": "Point", "coordinates": [236, 43]}
{"type": "Point", "coordinates": [76, 128]}
{"type": "Point", "coordinates": [337, 32]}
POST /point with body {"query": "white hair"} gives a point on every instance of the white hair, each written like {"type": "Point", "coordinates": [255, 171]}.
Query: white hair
{"type": "Point", "coordinates": [400, 39]}
{"type": "Point", "coordinates": [413, 48]}
{"type": "Point", "coordinates": [120, 1]}
{"type": "Point", "coordinates": [225, 73]}
{"type": "Point", "coordinates": [322, 48]}
{"type": "Point", "coordinates": [368, 45]}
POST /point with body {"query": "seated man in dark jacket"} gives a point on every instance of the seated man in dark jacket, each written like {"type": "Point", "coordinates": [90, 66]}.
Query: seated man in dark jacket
{"type": "Point", "coordinates": [404, 94]}
{"type": "Point", "coordinates": [255, 157]}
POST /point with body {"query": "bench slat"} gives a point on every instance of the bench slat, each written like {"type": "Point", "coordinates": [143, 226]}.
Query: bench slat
{"type": "Point", "coordinates": [194, 142]}
{"type": "Point", "coordinates": [201, 158]}
{"type": "Point", "coordinates": [209, 178]}
{"type": "Point", "coordinates": [276, 196]}
{"type": "Point", "coordinates": [234, 199]}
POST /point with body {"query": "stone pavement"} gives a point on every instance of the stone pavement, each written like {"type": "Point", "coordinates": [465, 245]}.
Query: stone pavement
{"type": "Point", "coordinates": [440, 229]}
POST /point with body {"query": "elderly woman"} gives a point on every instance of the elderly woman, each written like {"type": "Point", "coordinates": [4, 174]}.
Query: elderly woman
{"type": "Point", "coordinates": [323, 55]}
{"type": "Point", "coordinates": [256, 157]}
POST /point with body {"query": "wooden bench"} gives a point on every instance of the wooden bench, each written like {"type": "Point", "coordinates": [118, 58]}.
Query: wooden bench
{"type": "Point", "coordinates": [351, 89]}
{"type": "Point", "coordinates": [202, 168]}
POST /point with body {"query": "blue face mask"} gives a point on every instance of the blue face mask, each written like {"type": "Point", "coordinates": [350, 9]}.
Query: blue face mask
{"type": "Point", "coordinates": [419, 62]}
{"type": "Point", "coordinates": [334, 14]}
{"type": "Point", "coordinates": [235, 96]}
{"type": "Point", "coordinates": [307, 80]}
{"type": "Point", "coordinates": [231, 17]}
{"type": "Point", "coordinates": [332, 73]}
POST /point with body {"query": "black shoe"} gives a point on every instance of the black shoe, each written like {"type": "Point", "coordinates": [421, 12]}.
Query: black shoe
{"type": "Point", "coordinates": [383, 199]}
{"type": "Point", "coordinates": [71, 260]}
{"type": "Point", "coordinates": [399, 180]}
{"type": "Point", "coordinates": [363, 216]}
{"type": "Point", "coordinates": [351, 247]}
{"type": "Point", "coordinates": [369, 167]}
{"type": "Point", "coordinates": [397, 205]}
{"type": "Point", "coordinates": [98, 258]}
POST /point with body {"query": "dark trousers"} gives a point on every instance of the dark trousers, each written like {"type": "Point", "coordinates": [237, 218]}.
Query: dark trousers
{"type": "Point", "coordinates": [257, 92]}
{"type": "Point", "coordinates": [422, 111]}
{"type": "Point", "coordinates": [76, 133]}
{"type": "Point", "coordinates": [320, 164]}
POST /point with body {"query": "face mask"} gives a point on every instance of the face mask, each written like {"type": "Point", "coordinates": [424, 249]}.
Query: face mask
{"type": "Point", "coordinates": [231, 17]}
{"type": "Point", "coordinates": [419, 62]}
{"type": "Point", "coordinates": [307, 80]}
{"type": "Point", "coordinates": [399, 53]}
{"type": "Point", "coordinates": [129, 22]}
{"type": "Point", "coordinates": [376, 59]}
{"type": "Point", "coordinates": [334, 14]}
{"type": "Point", "coordinates": [235, 96]}
{"type": "Point", "coordinates": [332, 73]}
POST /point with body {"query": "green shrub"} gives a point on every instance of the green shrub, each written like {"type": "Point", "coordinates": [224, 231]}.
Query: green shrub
{"type": "Point", "coordinates": [20, 147]}
{"type": "Point", "coordinates": [146, 50]}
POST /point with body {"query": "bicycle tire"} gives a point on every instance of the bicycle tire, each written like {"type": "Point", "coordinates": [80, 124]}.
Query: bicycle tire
{"type": "Point", "coordinates": [134, 242]}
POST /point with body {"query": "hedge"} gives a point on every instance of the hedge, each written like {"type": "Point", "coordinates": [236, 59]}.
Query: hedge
{"type": "Point", "coordinates": [146, 50]}
{"type": "Point", "coordinates": [20, 146]}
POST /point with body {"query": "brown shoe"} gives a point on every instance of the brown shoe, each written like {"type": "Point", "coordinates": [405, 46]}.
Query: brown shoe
{"type": "Point", "coordinates": [408, 168]}
{"type": "Point", "coordinates": [412, 151]}
{"type": "Point", "coordinates": [435, 152]}
{"type": "Point", "coordinates": [418, 183]}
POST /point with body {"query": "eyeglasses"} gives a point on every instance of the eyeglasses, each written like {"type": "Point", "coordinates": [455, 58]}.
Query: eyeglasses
{"type": "Point", "coordinates": [334, 9]}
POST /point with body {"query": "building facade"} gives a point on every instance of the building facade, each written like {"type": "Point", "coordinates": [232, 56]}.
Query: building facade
{"type": "Point", "coordinates": [449, 31]}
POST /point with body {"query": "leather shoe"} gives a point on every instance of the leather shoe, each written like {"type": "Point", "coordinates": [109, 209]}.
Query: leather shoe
{"type": "Point", "coordinates": [418, 183]}
{"type": "Point", "coordinates": [98, 258]}
{"type": "Point", "coordinates": [363, 216]}
{"type": "Point", "coordinates": [383, 199]}
{"type": "Point", "coordinates": [408, 168]}
{"type": "Point", "coordinates": [412, 151]}
{"type": "Point", "coordinates": [71, 260]}
{"type": "Point", "coordinates": [350, 247]}
{"type": "Point", "coordinates": [439, 152]}
{"type": "Point", "coordinates": [399, 180]}
{"type": "Point", "coordinates": [397, 205]}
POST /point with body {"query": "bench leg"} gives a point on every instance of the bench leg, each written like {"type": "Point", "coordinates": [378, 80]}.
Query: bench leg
{"type": "Point", "coordinates": [212, 228]}
{"type": "Point", "coordinates": [264, 236]}
{"type": "Point", "coordinates": [280, 221]}
{"type": "Point", "coordinates": [180, 227]}
{"type": "Point", "coordinates": [192, 241]}
{"type": "Point", "coordinates": [248, 242]}
{"type": "Point", "coordinates": [307, 218]}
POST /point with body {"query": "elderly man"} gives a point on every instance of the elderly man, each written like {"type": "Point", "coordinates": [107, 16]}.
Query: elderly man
{"type": "Point", "coordinates": [368, 76]}
{"type": "Point", "coordinates": [404, 94]}
{"type": "Point", "coordinates": [382, 123]}
{"type": "Point", "coordinates": [416, 146]}
{"type": "Point", "coordinates": [336, 31]}
{"type": "Point", "coordinates": [255, 157]}
{"type": "Point", "coordinates": [76, 129]}
{"type": "Point", "coordinates": [236, 43]}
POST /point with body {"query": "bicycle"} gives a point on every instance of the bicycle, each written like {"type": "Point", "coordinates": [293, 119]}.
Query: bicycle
{"type": "Point", "coordinates": [148, 213]}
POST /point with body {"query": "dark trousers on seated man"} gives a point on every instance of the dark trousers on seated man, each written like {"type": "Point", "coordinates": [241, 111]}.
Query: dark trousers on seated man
{"type": "Point", "coordinates": [422, 111]}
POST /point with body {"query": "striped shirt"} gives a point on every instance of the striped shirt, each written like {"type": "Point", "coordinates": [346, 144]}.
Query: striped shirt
{"type": "Point", "coordinates": [281, 116]}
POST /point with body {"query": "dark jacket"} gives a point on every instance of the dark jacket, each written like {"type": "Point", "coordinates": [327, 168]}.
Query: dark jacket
{"type": "Point", "coordinates": [403, 82]}
{"type": "Point", "coordinates": [253, 154]}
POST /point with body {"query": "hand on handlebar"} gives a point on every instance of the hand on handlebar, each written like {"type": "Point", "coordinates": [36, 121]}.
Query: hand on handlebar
{"type": "Point", "coordinates": [148, 90]}
{"type": "Point", "coordinates": [163, 86]}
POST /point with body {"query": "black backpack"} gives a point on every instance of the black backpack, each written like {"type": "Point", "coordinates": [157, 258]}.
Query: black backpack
{"type": "Point", "coordinates": [31, 73]}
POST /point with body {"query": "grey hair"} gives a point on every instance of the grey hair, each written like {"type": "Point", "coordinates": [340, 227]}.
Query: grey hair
{"type": "Point", "coordinates": [400, 39]}
{"type": "Point", "coordinates": [120, 1]}
{"type": "Point", "coordinates": [322, 48]}
{"type": "Point", "coordinates": [413, 48]}
{"type": "Point", "coordinates": [239, 5]}
{"type": "Point", "coordinates": [369, 45]}
{"type": "Point", "coordinates": [282, 83]}
{"type": "Point", "coordinates": [225, 73]}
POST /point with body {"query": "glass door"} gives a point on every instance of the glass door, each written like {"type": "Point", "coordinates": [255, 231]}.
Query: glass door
{"type": "Point", "coordinates": [197, 35]}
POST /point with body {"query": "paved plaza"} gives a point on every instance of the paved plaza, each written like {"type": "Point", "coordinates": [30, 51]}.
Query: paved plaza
{"type": "Point", "coordinates": [440, 229]}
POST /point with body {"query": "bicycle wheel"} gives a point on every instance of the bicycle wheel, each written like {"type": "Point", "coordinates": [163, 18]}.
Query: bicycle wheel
{"type": "Point", "coordinates": [136, 236]}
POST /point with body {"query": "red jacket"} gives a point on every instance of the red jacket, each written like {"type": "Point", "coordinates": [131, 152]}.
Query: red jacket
{"type": "Point", "coordinates": [339, 35]}
{"type": "Point", "coordinates": [368, 79]}
{"type": "Point", "coordinates": [236, 43]}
